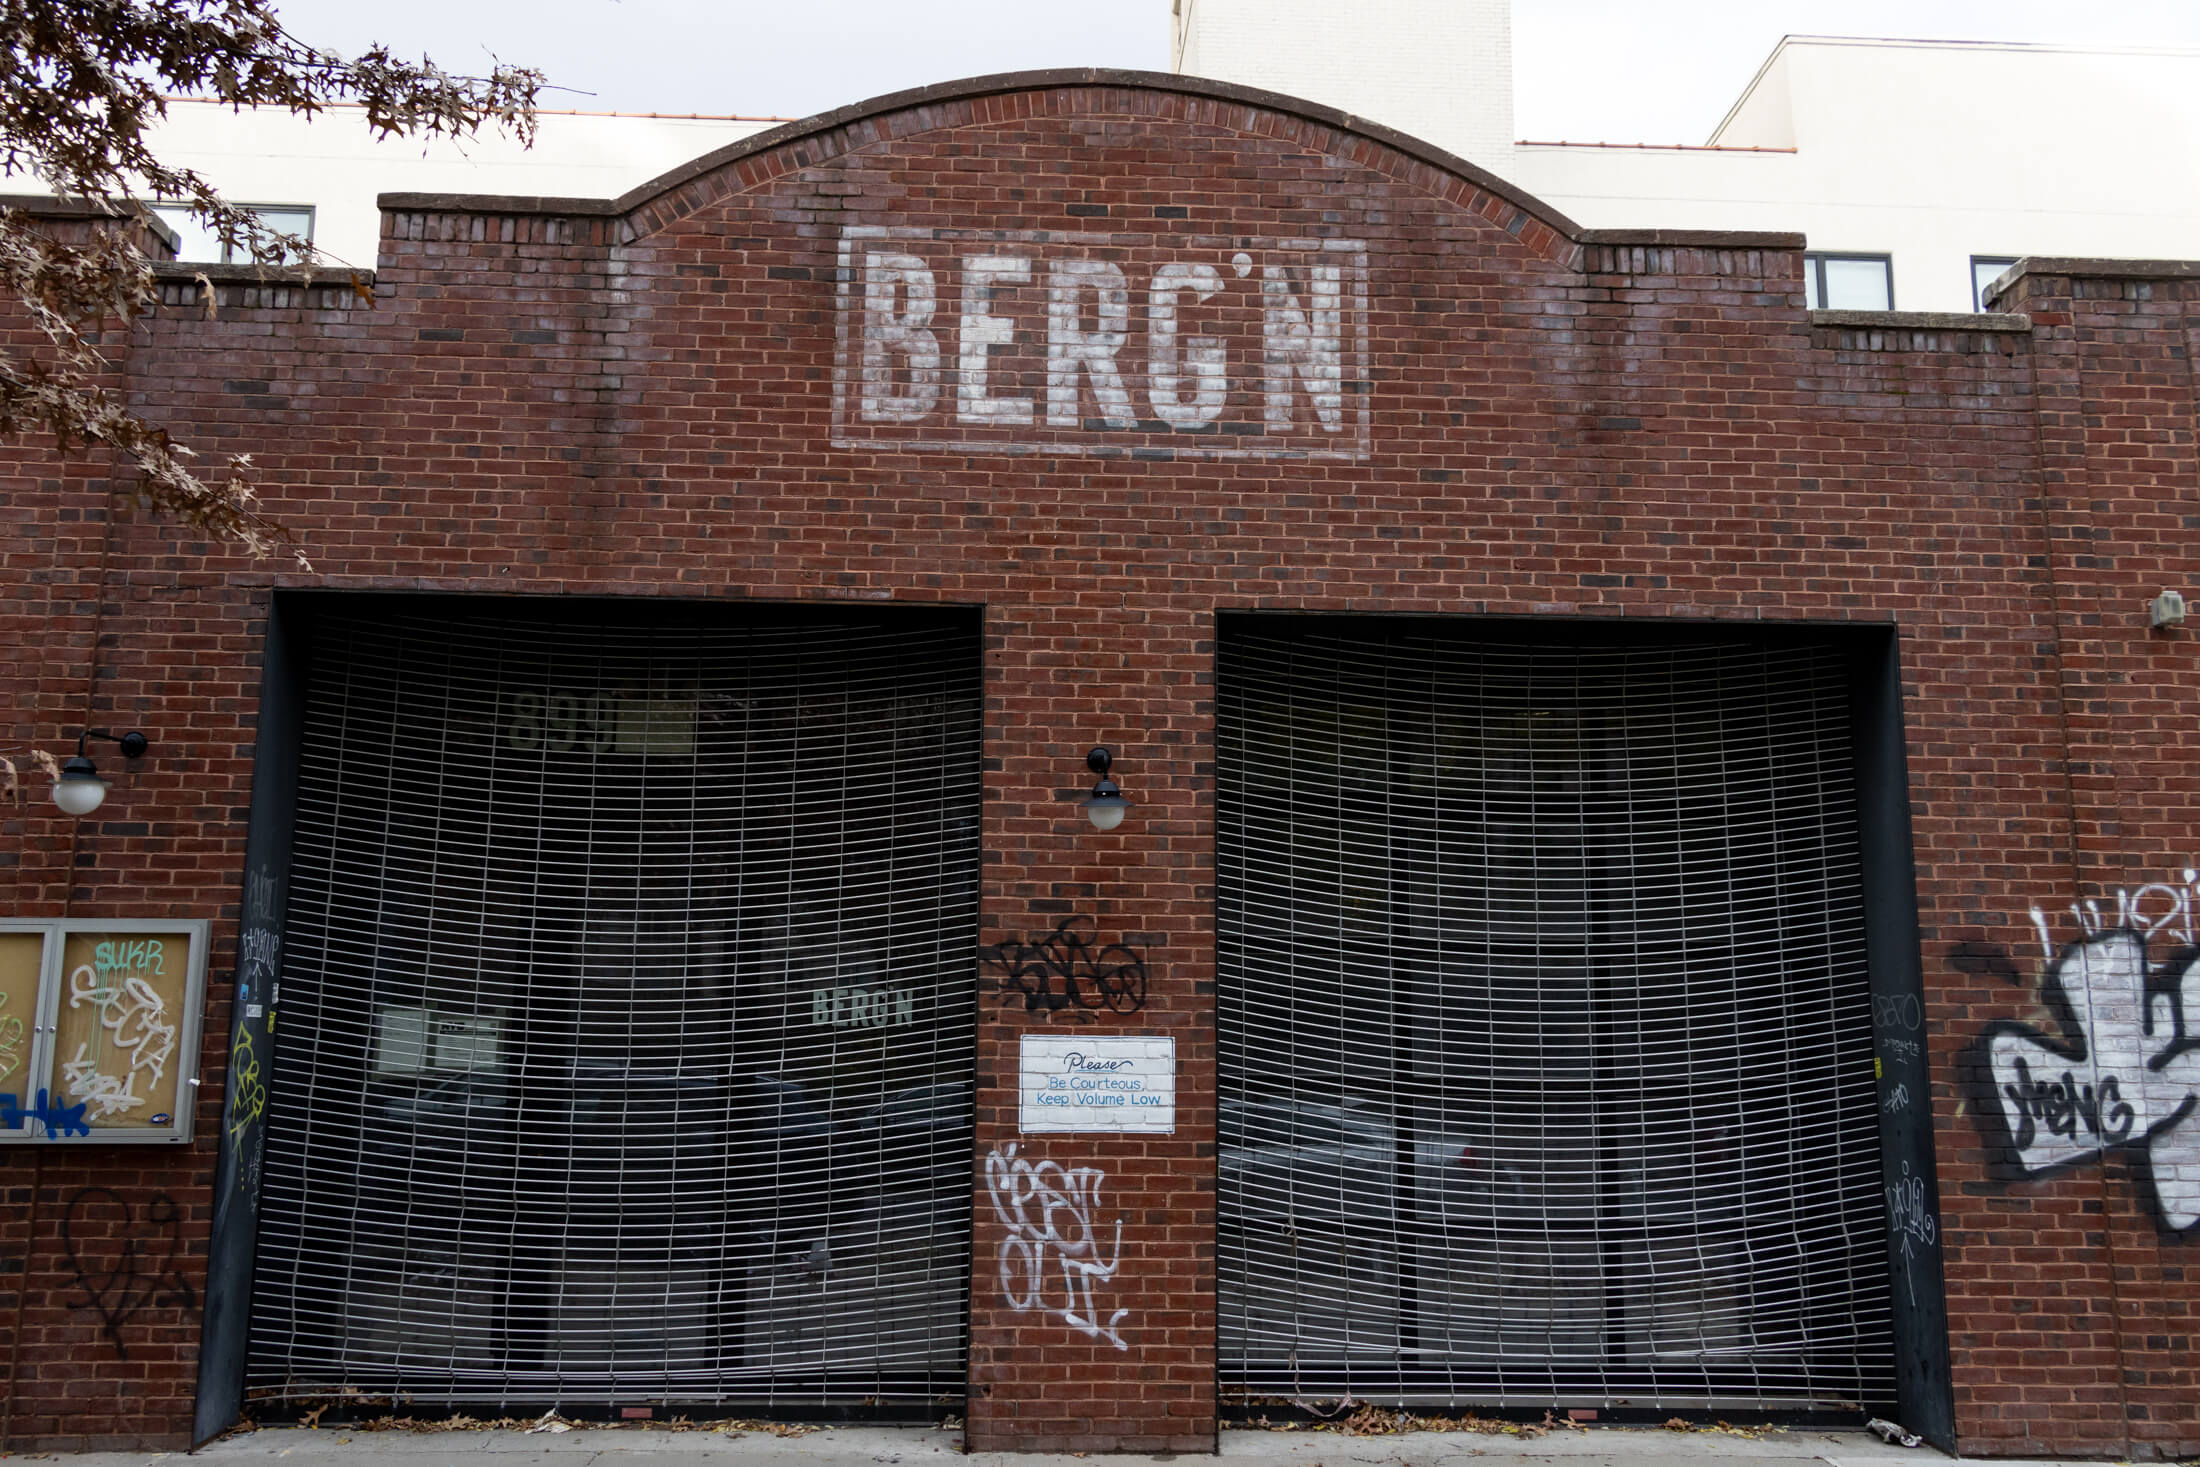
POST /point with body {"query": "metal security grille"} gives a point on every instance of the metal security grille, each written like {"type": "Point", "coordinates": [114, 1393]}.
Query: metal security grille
{"type": "Point", "coordinates": [626, 1012]}
{"type": "Point", "coordinates": [1546, 1067]}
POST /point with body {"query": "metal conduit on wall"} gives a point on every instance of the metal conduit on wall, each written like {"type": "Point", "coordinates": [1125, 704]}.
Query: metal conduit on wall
{"type": "Point", "coordinates": [626, 1020]}
{"type": "Point", "coordinates": [1546, 1054]}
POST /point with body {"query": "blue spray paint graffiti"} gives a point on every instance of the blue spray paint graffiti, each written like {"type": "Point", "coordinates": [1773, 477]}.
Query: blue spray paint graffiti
{"type": "Point", "coordinates": [60, 1120]}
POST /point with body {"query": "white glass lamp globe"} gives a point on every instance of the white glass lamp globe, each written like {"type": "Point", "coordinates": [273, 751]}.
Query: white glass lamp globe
{"type": "Point", "coordinates": [79, 790]}
{"type": "Point", "coordinates": [1105, 807]}
{"type": "Point", "coordinates": [1106, 811]}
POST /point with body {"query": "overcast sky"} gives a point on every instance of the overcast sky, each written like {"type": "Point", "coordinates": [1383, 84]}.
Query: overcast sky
{"type": "Point", "coordinates": [1584, 70]}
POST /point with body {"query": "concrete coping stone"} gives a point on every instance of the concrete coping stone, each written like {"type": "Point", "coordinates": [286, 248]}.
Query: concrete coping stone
{"type": "Point", "coordinates": [341, 276]}
{"type": "Point", "coordinates": [1703, 239]}
{"type": "Point", "coordinates": [2096, 268]}
{"type": "Point", "coordinates": [2069, 267]}
{"type": "Point", "coordinates": [499, 204]}
{"type": "Point", "coordinates": [2011, 321]}
{"type": "Point", "coordinates": [48, 206]}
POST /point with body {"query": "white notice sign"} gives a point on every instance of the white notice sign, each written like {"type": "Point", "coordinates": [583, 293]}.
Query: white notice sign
{"type": "Point", "coordinates": [1098, 1083]}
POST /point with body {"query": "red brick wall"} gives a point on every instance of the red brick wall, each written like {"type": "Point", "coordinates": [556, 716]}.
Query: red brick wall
{"type": "Point", "coordinates": [2083, 1329]}
{"type": "Point", "coordinates": [643, 403]}
{"type": "Point", "coordinates": [162, 846]}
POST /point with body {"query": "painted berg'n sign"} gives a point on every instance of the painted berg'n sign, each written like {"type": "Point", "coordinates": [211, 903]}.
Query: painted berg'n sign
{"type": "Point", "coordinates": [1032, 341]}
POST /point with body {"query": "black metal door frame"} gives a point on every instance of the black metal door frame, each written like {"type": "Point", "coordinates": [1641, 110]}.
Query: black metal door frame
{"type": "Point", "coordinates": [287, 662]}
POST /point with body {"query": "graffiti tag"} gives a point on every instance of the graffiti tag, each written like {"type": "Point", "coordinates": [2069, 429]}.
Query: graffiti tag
{"type": "Point", "coordinates": [257, 953]}
{"type": "Point", "coordinates": [247, 1103]}
{"type": "Point", "coordinates": [11, 1041]}
{"type": "Point", "coordinates": [1064, 969]}
{"type": "Point", "coordinates": [133, 1014]}
{"type": "Point", "coordinates": [1910, 1220]}
{"type": "Point", "coordinates": [1048, 1211]}
{"type": "Point", "coordinates": [259, 895]}
{"type": "Point", "coordinates": [59, 1120]}
{"type": "Point", "coordinates": [2125, 1072]}
{"type": "Point", "coordinates": [111, 1254]}
{"type": "Point", "coordinates": [1897, 1011]}
{"type": "Point", "coordinates": [135, 955]}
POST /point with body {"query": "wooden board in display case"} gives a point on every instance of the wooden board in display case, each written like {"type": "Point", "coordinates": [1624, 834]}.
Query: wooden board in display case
{"type": "Point", "coordinates": [111, 1046]}
{"type": "Point", "coordinates": [22, 964]}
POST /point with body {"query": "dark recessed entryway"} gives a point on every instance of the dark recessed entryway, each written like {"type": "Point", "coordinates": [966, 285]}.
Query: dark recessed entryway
{"type": "Point", "coordinates": [626, 1015]}
{"type": "Point", "coordinates": [1546, 1046]}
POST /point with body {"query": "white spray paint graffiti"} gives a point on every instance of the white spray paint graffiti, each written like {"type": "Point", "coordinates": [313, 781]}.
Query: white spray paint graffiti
{"type": "Point", "coordinates": [1910, 1220]}
{"type": "Point", "coordinates": [1048, 1211]}
{"type": "Point", "coordinates": [11, 1041]}
{"type": "Point", "coordinates": [132, 1013]}
{"type": "Point", "coordinates": [259, 896]}
{"type": "Point", "coordinates": [2127, 1074]}
{"type": "Point", "coordinates": [258, 951]}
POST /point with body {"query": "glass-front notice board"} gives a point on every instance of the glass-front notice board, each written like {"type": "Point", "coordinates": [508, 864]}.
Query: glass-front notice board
{"type": "Point", "coordinates": [99, 1029]}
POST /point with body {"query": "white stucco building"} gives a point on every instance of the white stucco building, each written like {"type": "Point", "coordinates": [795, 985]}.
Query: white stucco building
{"type": "Point", "coordinates": [1903, 162]}
{"type": "Point", "coordinates": [1440, 70]}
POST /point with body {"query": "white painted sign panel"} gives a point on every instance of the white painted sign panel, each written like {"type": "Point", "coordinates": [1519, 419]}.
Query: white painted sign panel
{"type": "Point", "coordinates": [1155, 346]}
{"type": "Point", "coordinates": [1098, 1083]}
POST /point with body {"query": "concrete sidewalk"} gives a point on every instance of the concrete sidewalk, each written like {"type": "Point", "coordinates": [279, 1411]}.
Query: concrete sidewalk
{"type": "Point", "coordinates": [886, 1446]}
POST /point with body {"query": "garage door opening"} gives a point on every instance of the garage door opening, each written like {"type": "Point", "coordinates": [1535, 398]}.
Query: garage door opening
{"type": "Point", "coordinates": [1546, 1047]}
{"type": "Point", "coordinates": [625, 1042]}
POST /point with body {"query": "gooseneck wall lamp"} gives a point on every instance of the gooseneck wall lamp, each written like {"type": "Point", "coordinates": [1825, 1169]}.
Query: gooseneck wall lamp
{"type": "Point", "coordinates": [80, 790]}
{"type": "Point", "coordinates": [1105, 807]}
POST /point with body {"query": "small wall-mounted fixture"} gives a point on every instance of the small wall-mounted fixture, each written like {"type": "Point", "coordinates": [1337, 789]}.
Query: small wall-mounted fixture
{"type": "Point", "coordinates": [1105, 807]}
{"type": "Point", "coordinates": [80, 790]}
{"type": "Point", "coordinates": [2166, 610]}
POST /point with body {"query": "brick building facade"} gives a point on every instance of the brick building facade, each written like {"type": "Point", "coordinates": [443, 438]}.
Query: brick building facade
{"type": "Point", "coordinates": [1370, 514]}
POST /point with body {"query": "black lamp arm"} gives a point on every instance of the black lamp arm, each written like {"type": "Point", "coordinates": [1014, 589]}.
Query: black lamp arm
{"type": "Point", "coordinates": [134, 744]}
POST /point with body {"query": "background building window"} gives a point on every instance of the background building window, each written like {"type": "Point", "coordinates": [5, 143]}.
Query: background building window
{"type": "Point", "coordinates": [1848, 282]}
{"type": "Point", "coordinates": [201, 245]}
{"type": "Point", "coordinates": [1985, 270]}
